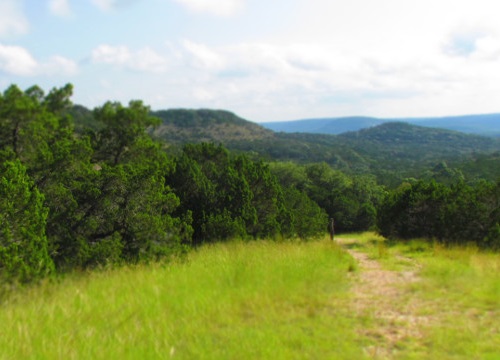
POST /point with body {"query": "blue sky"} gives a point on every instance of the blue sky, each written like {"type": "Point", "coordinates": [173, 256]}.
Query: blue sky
{"type": "Point", "coordinates": [265, 60]}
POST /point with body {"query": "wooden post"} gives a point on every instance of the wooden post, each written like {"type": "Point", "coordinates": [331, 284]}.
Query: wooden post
{"type": "Point", "coordinates": [331, 228]}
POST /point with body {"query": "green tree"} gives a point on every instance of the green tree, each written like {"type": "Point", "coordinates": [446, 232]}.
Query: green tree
{"type": "Point", "coordinates": [415, 210]}
{"type": "Point", "coordinates": [350, 200]}
{"type": "Point", "coordinates": [307, 219]}
{"type": "Point", "coordinates": [29, 121]}
{"type": "Point", "coordinates": [23, 244]}
{"type": "Point", "coordinates": [269, 211]}
{"type": "Point", "coordinates": [216, 194]}
{"type": "Point", "coordinates": [457, 213]}
{"type": "Point", "coordinates": [122, 209]}
{"type": "Point", "coordinates": [229, 196]}
{"type": "Point", "coordinates": [123, 132]}
{"type": "Point", "coordinates": [35, 130]}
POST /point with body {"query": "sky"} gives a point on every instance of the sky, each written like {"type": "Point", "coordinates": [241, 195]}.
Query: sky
{"type": "Point", "coordinates": [265, 60]}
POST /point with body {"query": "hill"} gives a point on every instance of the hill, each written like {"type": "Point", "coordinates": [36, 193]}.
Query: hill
{"type": "Point", "coordinates": [390, 151]}
{"type": "Point", "coordinates": [181, 126]}
{"type": "Point", "coordinates": [331, 126]}
{"type": "Point", "coordinates": [407, 149]}
{"type": "Point", "coordinates": [416, 141]}
{"type": "Point", "coordinates": [323, 126]}
{"type": "Point", "coordinates": [488, 124]}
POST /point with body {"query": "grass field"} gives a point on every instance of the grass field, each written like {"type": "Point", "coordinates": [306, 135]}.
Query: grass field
{"type": "Point", "coordinates": [265, 300]}
{"type": "Point", "coordinates": [227, 301]}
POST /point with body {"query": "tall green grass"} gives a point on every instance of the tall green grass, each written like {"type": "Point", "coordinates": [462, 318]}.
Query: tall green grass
{"type": "Point", "coordinates": [258, 300]}
{"type": "Point", "coordinates": [462, 285]}
{"type": "Point", "coordinates": [458, 292]}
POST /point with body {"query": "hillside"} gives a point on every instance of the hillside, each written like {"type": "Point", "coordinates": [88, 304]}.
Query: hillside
{"type": "Point", "coordinates": [390, 151]}
{"type": "Point", "coordinates": [409, 149]}
{"type": "Point", "coordinates": [488, 124]}
{"type": "Point", "coordinates": [181, 126]}
{"type": "Point", "coordinates": [414, 141]}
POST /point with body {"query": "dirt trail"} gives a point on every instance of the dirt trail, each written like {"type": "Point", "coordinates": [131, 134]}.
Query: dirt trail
{"type": "Point", "coordinates": [385, 297]}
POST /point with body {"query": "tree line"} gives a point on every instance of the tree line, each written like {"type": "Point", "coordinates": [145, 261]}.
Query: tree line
{"type": "Point", "coordinates": [455, 213]}
{"type": "Point", "coordinates": [111, 194]}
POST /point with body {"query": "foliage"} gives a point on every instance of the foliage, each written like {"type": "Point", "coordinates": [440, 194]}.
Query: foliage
{"type": "Point", "coordinates": [228, 196]}
{"type": "Point", "coordinates": [456, 213]}
{"type": "Point", "coordinates": [350, 200]}
{"type": "Point", "coordinates": [480, 166]}
{"type": "Point", "coordinates": [103, 191]}
{"type": "Point", "coordinates": [104, 188]}
{"type": "Point", "coordinates": [306, 217]}
{"type": "Point", "coordinates": [24, 252]}
{"type": "Point", "coordinates": [391, 152]}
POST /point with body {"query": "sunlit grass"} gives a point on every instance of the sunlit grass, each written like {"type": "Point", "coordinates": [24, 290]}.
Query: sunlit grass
{"type": "Point", "coordinates": [258, 300]}
{"type": "Point", "coordinates": [458, 291]}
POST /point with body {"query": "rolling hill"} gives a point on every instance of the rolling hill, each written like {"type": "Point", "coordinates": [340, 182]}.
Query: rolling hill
{"type": "Point", "coordinates": [488, 124]}
{"type": "Point", "coordinates": [389, 150]}
{"type": "Point", "coordinates": [332, 126]}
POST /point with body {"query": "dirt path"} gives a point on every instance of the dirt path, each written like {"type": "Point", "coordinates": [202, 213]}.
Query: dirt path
{"type": "Point", "coordinates": [384, 297]}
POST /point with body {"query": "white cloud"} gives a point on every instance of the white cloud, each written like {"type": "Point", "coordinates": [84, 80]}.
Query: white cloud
{"type": "Point", "coordinates": [278, 59]}
{"type": "Point", "coordinates": [115, 55]}
{"type": "Point", "coordinates": [215, 7]}
{"type": "Point", "coordinates": [148, 60]}
{"type": "Point", "coordinates": [16, 60]}
{"type": "Point", "coordinates": [145, 59]}
{"type": "Point", "coordinates": [60, 8]}
{"type": "Point", "coordinates": [282, 65]}
{"type": "Point", "coordinates": [12, 19]}
{"type": "Point", "coordinates": [316, 79]}
{"type": "Point", "coordinates": [278, 81]}
{"type": "Point", "coordinates": [59, 65]}
{"type": "Point", "coordinates": [202, 56]}
{"type": "Point", "coordinates": [487, 48]}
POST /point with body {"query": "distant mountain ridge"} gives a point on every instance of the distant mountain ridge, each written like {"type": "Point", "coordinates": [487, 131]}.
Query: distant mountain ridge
{"type": "Point", "coordinates": [485, 124]}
